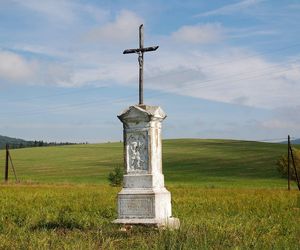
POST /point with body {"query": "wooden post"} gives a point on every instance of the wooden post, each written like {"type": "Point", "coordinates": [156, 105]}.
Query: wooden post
{"type": "Point", "coordinates": [13, 168]}
{"type": "Point", "coordinates": [288, 166]}
{"type": "Point", "coordinates": [6, 163]}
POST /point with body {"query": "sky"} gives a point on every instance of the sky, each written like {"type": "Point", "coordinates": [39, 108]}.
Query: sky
{"type": "Point", "coordinates": [224, 69]}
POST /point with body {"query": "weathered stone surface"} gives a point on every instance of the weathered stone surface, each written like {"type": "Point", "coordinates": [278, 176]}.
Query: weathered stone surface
{"type": "Point", "coordinates": [172, 223]}
{"type": "Point", "coordinates": [144, 199]}
{"type": "Point", "coordinates": [143, 181]}
{"type": "Point", "coordinates": [144, 203]}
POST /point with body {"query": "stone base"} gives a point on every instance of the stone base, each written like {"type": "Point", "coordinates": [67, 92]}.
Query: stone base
{"type": "Point", "coordinates": [144, 203]}
{"type": "Point", "coordinates": [147, 207]}
{"type": "Point", "coordinates": [170, 223]}
{"type": "Point", "coordinates": [144, 181]}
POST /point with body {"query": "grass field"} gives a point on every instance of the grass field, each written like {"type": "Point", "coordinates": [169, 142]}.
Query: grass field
{"type": "Point", "coordinates": [227, 195]}
{"type": "Point", "coordinates": [79, 217]}
{"type": "Point", "coordinates": [209, 163]}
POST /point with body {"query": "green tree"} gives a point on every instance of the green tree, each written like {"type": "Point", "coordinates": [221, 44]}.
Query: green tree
{"type": "Point", "coordinates": [282, 165]}
{"type": "Point", "coordinates": [115, 177]}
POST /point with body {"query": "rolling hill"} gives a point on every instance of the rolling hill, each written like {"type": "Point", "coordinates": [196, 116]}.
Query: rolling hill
{"type": "Point", "coordinates": [12, 141]}
{"type": "Point", "coordinates": [211, 163]}
{"type": "Point", "coordinates": [20, 143]}
{"type": "Point", "coordinates": [296, 141]}
{"type": "Point", "coordinates": [293, 142]}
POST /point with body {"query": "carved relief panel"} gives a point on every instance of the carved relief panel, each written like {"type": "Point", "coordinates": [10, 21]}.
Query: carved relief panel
{"type": "Point", "coordinates": [137, 152]}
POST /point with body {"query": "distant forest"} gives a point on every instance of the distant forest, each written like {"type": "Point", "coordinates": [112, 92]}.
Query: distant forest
{"type": "Point", "coordinates": [20, 143]}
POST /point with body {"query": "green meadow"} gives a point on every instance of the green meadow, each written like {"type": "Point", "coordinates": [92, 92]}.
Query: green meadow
{"type": "Point", "coordinates": [215, 163]}
{"type": "Point", "coordinates": [227, 194]}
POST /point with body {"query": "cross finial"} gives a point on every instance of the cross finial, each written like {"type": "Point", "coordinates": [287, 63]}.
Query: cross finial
{"type": "Point", "coordinates": [140, 51]}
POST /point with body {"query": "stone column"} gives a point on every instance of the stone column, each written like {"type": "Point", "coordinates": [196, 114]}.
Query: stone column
{"type": "Point", "coordinates": [144, 198]}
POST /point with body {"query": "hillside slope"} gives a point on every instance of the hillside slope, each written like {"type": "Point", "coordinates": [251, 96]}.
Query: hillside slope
{"type": "Point", "coordinates": [296, 141]}
{"type": "Point", "coordinates": [293, 142]}
{"type": "Point", "coordinates": [185, 161]}
{"type": "Point", "coordinates": [13, 141]}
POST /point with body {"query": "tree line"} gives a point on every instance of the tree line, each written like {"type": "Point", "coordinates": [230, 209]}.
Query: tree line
{"type": "Point", "coordinates": [15, 143]}
{"type": "Point", "coordinates": [30, 144]}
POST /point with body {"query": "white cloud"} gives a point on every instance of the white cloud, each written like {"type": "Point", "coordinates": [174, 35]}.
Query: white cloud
{"type": "Point", "coordinates": [40, 50]}
{"type": "Point", "coordinates": [54, 9]}
{"type": "Point", "coordinates": [284, 118]}
{"type": "Point", "coordinates": [14, 67]}
{"type": "Point", "coordinates": [228, 75]}
{"type": "Point", "coordinates": [280, 124]}
{"type": "Point", "coordinates": [66, 11]}
{"type": "Point", "coordinates": [98, 14]}
{"type": "Point", "coordinates": [292, 74]}
{"type": "Point", "coordinates": [230, 8]}
{"type": "Point", "coordinates": [202, 33]}
{"type": "Point", "coordinates": [179, 66]}
{"type": "Point", "coordinates": [231, 76]}
{"type": "Point", "coordinates": [123, 28]}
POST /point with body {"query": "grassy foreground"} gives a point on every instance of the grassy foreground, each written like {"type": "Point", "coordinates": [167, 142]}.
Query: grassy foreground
{"type": "Point", "coordinates": [79, 216]}
{"type": "Point", "coordinates": [227, 194]}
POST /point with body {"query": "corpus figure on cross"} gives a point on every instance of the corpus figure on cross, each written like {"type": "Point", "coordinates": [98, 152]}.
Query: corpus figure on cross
{"type": "Point", "coordinates": [140, 51]}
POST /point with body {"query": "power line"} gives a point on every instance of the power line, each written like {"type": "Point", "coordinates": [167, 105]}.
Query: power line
{"type": "Point", "coordinates": [59, 108]}
{"type": "Point", "coordinates": [241, 58]}
{"type": "Point", "coordinates": [253, 77]}
{"type": "Point", "coordinates": [196, 82]}
{"type": "Point", "coordinates": [71, 106]}
{"type": "Point", "coordinates": [60, 94]}
{"type": "Point", "coordinates": [256, 55]}
{"type": "Point", "coordinates": [204, 66]}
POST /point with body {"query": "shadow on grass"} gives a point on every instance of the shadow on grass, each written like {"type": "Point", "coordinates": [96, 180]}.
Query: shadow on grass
{"type": "Point", "coordinates": [56, 225]}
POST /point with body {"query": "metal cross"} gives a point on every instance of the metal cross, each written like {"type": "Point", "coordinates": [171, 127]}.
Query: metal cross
{"type": "Point", "coordinates": [140, 51]}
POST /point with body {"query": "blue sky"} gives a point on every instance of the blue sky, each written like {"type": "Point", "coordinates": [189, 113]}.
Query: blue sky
{"type": "Point", "coordinates": [224, 69]}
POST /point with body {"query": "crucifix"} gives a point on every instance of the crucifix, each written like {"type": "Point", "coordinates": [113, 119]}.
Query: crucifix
{"type": "Point", "coordinates": [140, 51]}
{"type": "Point", "coordinates": [143, 200]}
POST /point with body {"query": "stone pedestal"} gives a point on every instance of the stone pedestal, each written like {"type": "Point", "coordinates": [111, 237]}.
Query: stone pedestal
{"type": "Point", "coordinates": [144, 198]}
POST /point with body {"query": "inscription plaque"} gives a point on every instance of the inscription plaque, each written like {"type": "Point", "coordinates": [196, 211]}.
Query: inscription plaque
{"type": "Point", "coordinates": [136, 207]}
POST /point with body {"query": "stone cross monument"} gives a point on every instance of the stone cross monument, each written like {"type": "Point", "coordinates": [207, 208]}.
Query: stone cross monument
{"type": "Point", "coordinates": [144, 198]}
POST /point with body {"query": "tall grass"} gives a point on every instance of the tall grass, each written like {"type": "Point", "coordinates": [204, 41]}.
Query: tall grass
{"type": "Point", "coordinates": [79, 217]}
